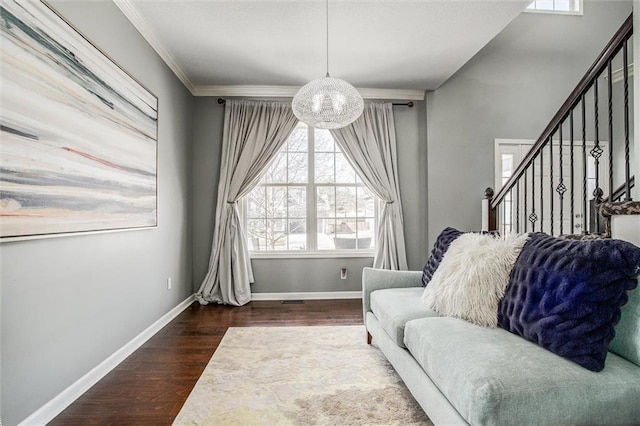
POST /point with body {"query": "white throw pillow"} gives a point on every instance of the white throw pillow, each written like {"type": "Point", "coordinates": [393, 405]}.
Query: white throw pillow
{"type": "Point", "coordinates": [472, 277]}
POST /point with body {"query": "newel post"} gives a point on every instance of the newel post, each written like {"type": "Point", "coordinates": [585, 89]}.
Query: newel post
{"type": "Point", "coordinates": [488, 213]}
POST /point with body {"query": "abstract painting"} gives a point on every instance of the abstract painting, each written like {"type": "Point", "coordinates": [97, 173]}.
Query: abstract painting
{"type": "Point", "coordinates": [78, 134]}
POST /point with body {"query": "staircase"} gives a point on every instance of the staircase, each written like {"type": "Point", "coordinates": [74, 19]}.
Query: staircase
{"type": "Point", "coordinates": [578, 173]}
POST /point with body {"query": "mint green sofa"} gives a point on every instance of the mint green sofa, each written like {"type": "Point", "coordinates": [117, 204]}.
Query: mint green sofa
{"type": "Point", "coordinates": [461, 373]}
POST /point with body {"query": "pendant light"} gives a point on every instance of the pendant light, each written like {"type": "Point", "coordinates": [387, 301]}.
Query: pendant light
{"type": "Point", "coordinates": [327, 103]}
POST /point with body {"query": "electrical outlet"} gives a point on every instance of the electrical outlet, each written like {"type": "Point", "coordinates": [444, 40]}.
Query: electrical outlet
{"type": "Point", "coordinates": [169, 283]}
{"type": "Point", "coordinates": [343, 273]}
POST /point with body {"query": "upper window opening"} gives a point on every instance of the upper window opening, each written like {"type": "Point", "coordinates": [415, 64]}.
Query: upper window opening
{"type": "Point", "coordinates": [571, 7]}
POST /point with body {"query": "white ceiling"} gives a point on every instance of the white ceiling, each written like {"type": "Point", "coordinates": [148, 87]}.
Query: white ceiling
{"type": "Point", "coordinates": [411, 45]}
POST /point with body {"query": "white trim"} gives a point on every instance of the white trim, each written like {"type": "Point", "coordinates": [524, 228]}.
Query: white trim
{"type": "Point", "coordinates": [618, 75]}
{"type": "Point", "coordinates": [555, 12]}
{"type": "Point", "coordinates": [390, 94]}
{"type": "Point", "coordinates": [131, 13]}
{"type": "Point", "coordinates": [5, 240]}
{"type": "Point", "coordinates": [247, 91]}
{"type": "Point", "coordinates": [320, 295]}
{"type": "Point", "coordinates": [307, 255]}
{"type": "Point", "coordinates": [290, 91]}
{"type": "Point", "coordinates": [51, 409]}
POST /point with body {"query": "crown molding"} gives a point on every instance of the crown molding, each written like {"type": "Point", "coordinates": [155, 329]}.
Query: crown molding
{"type": "Point", "coordinates": [131, 13]}
{"type": "Point", "coordinates": [247, 91]}
{"type": "Point", "coordinates": [618, 75]}
{"type": "Point", "coordinates": [390, 94]}
{"type": "Point", "coordinates": [290, 91]}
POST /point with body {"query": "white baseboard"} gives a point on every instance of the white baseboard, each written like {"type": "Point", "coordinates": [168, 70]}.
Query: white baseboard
{"type": "Point", "coordinates": [308, 295]}
{"type": "Point", "coordinates": [51, 409]}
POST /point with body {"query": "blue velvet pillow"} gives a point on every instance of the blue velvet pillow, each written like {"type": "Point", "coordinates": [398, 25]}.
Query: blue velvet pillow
{"type": "Point", "coordinates": [439, 249]}
{"type": "Point", "coordinates": [566, 295]}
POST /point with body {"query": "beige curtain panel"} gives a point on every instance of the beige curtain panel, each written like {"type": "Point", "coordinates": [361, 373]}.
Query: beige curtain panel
{"type": "Point", "coordinates": [253, 133]}
{"type": "Point", "coordinates": [369, 143]}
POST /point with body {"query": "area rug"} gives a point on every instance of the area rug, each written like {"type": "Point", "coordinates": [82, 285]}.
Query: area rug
{"type": "Point", "coordinates": [322, 375]}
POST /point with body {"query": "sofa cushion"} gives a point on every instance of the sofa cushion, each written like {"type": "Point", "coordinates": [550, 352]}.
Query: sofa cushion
{"type": "Point", "coordinates": [440, 247]}
{"type": "Point", "coordinates": [393, 307]}
{"type": "Point", "coordinates": [493, 377]}
{"type": "Point", "coordinates": [626, 343]}
{"type": "Point", "coordinates": [470, 281]}
{"type": "Point", "coordinates": [566, 295]}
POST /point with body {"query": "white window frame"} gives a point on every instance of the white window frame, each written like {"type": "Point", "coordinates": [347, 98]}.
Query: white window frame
{"type": "Point", "coordinates": [578, 12]}
{"type": "Point", "coordinates": [311, 219]}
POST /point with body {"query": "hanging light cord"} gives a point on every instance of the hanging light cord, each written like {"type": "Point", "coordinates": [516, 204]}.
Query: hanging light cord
{"type": "Point", "coordinates": [327, 15]}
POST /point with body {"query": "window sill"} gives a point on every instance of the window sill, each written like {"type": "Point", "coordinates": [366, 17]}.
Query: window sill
{"type": "Point", "coordinates": [556, 12]}
{"type": "Point", "coordinates": [331, 255]}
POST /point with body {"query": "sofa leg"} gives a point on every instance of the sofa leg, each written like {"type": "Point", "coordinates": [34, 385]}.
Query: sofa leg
{"type": "Point", "coordinates": [369, 337]}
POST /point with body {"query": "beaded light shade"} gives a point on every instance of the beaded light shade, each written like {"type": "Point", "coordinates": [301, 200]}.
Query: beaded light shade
{"type": "Point", "coordinates": [327, 103]}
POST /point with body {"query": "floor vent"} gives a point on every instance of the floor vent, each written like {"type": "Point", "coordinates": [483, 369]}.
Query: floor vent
{"type": "Point", "coordinates": [292, 302]}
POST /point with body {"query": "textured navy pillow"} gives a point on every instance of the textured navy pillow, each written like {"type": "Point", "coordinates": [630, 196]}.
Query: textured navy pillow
{"type": "Point", "coordinates": [566, 295]}
{"type": "Point", "coordinates": [439, 249]}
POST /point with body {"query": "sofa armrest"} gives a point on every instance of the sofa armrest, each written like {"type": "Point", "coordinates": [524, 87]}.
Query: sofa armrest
{"type": "Point", "coordinates": [377, 279]}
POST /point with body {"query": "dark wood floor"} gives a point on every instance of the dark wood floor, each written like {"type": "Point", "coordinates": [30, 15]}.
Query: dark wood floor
{"type": "Point", "coordinates": [151, 385]}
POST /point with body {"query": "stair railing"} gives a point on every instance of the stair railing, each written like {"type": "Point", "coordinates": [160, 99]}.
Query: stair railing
{"type": "Point", "coordinates": [541, 191]}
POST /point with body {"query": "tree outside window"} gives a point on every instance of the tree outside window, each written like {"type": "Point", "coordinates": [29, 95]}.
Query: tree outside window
{"type": "Point", "coordinates": [311, 200]}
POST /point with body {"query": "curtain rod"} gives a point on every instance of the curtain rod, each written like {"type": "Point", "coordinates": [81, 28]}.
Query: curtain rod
{"type": "Point", "coordinates": [407, 104]}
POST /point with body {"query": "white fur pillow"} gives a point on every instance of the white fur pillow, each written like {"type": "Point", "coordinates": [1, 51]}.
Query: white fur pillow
{"type": "Point", "coordinates": [471, 279]}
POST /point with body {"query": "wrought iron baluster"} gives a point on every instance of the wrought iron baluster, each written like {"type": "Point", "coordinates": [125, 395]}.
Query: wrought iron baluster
{"type": "Point", "coordinates": [584, 166]}
{"type": "Point", "coordinates": [501, 216]}
{"type": "Point", "coordinates": [573, 199]}
{"type": "Point", "coordinates": [561, 189]}
{"type": "Point", "coordinates": [542, 190]}
{"type": "Point", "coordinates": [625, 71]}
{"type": "Point", "coordinates": [596, 151]}
{"type": "Point", "coordinates": [610, 105]}
{"type": "Point", "coordinates": [551, 184]}
{"type": "Point", "coordinates": [524, 186]}
{"type": "Point", "coordinates": [510, 211]}
{"type": "Point", "coordinates": [503, 222]}
{"type": "Point", "coordinates": [533, 217]}
{"type": "Point", "coordinates": [518, 206]}
{"type": "Point", "coordinates": [505, 216]}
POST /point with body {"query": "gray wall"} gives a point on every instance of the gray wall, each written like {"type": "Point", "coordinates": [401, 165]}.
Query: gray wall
{"type": "Point", "coordinates": [509, 90]}
{"type": "Point", "coordinates": [307, 275]}
{"type": "Point", "coordinates": [636, 97]}
{"type": "Point", "coordinates": [69, 303]}
{"type": "Point", "coordinates": [208, 122]}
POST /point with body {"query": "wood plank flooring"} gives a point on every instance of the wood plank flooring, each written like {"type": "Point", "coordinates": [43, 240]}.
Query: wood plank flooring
{"type": "Point", "coordinates": [151, 385]}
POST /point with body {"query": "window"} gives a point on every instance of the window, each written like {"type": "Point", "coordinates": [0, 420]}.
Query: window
{"type": "Point", "coordinates": [508, 164]}
{"type": "Point", "coordinates": [310, 200]}
{"type": "Point", "coordinates": [572, 7]}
